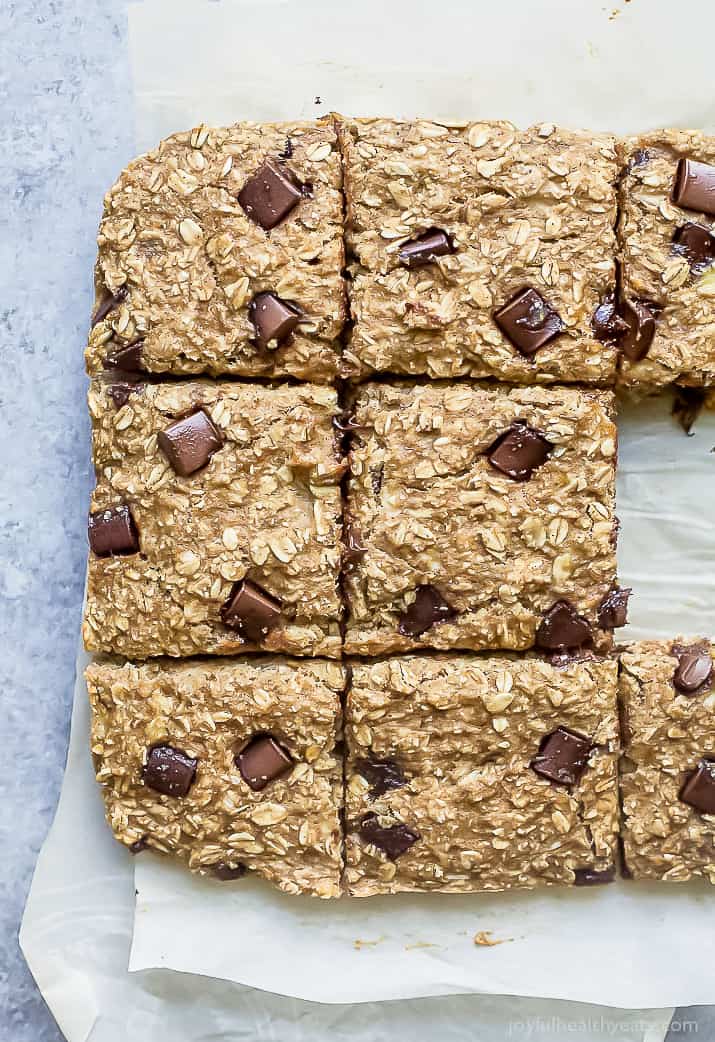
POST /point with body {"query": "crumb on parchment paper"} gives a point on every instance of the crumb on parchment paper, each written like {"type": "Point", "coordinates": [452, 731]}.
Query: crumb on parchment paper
{"type": "Point", "coordinates": [484, 939]}
{"type": "Point", "coordinates": [359, 944]}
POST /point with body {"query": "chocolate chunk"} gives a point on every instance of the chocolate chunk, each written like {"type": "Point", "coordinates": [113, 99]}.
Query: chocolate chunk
{"type": "Point", "coordinates": [273, 319]}
{"type": "Point", "coordinates": [639, 158]}
{"type": "Point", "coordinates": [222, 870]}
{"type": "Point", "coordinates": [108, 302]}
{"type": "Point", "coordinates": [190, 443]}
{"type": "Point", "coordinates": [262, 761]}
{"type": "Point", "coordinates": [287, 151]}
{"type": "Point", "coordinates": [528, 322]}
{"type": "Point", "coordinates": [562, 628]}
{"type": "Point", "coordinates": [519, 451]}
{"type": "Point", "coordinates": [425, 249]}
{"type": "Point", "coordinates": [593, 877]}
{"type": "Point", "coordinates": [112, 532]}
{"type": "Point", "coordinates": [699, 788]}
{"type": "Point", "coordinates": [687, 405]}
{"type": "Point", "coordinates": [607, 324]}
{"type": "Point", "coordinates": [694, 186]}
{"type": "Point", "coordinates": [696, 244]}
{"type": "Point", "coordinates": [120, 392]}
{"type": "Point", "coordinates": [251, 610]}
{"type": "Point", "coordinates": [694, 673]}
{"type": "Point", "coordinates": [169, 771]}
{"type": "Point", "coordinates": [127, 358]}
{"type": "Point", "coordinates": [383, 775]}
{"type": "Point", "coordinates": [353, 549]}
{"type": "Point", "coordinates": [376, 475]}
{"type": "Point", "coordinates": [270, 194]}
{"type": "Point", "coordinates": [392, 840]}
{"type": "Point", "coordinates": [562, 757]}
{"type": "Point", "coordinates": [428, 608]}
{"type": "Point", "coordinates": [639, 316]}
{"type": "Point", "coordinates": [613, 609]}
{"type": "Point", "coordinates": [139, 845]}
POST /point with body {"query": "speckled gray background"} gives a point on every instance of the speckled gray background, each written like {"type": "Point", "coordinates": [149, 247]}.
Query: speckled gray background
{"type": "Point", "coordinates": [65, 112]}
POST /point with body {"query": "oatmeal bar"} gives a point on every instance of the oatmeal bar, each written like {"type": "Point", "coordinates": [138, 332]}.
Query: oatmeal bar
{"type": "Point", "coordinates": [481, 250]}
{"type": "Point", "coordinates": [230, 766]}
{"type": "Point", "coordinates": [481, 517]}
{"type": "Point", "coordinates": [668, 769]}
{"type": "Point", "coordinates": [667, 244]}
{"type": "Point", "coordinates": [215, 523]}
{"type": "Point", "coordinates": [221, 252]}
{"type": "Point", "coordinates": [480, 773]}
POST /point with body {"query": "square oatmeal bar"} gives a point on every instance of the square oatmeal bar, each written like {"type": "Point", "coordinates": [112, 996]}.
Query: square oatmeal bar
{"type": "Point", "coordinates": [228, 765]}
{"type": "Point", "coordinates": [481, 517]}
{"type": "Point", "coordinates": [667, 695]}
{"type": "Point", "coordinates": [481, 250]}
{"type": "Point", "coordinates": [480, 773]}
{"type": "Point", "coordinates": [215, 523]}
{"type": "Point", "coordinates": [667, 244]}
{"type": "Point", "coordinates": [222, 252]}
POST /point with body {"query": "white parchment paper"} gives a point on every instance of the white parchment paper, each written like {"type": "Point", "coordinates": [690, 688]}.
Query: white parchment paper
{"type": "Point", "coordinates": [625, 68]}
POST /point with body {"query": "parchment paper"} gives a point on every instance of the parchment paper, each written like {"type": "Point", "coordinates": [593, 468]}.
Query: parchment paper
{"type": "Point", "coordinates": [626, 945]}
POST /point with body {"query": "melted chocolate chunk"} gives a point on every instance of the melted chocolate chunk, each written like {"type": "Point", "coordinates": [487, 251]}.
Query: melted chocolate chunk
{"type": "Point", "coordinates": [262, 761]}
{"type": "Point", "coordinates": [121, 392]}
{"type": "Point", "coordinates": [428, 608]}
{"type": "Point", "coordinates": [639, 158]}
{"type": "Point", "coordinates": [252, 611]}
{"type": "Point", "coordinates": [383, 775]}
{"type": "Point", "coordinates": [392, 840]}
{"type": "Point", "coordinates": [698, 790]}
{"type": "Point", "coordinates": [169, 770]}
{"type": "Point", "coordinates": [519, 451]}
{"type": "Point", "coordinates": [270, 195]}
{"type": "Point", "coordinates": [273, 319]}
{"type": "Point", "coordinates": [640, 317]}
{"type": "Point", "coordinates": [127, 358]}
{"type": "Point", "coordinates": [425, 249]}
{"type": "Point", "coordinates": [528, 322]}
{"type": "Point", "coordinates": [593, 877]}
{"type": "Point", "coordinates": [139, 845]}
{"type": "Point", "coordinates": [190, 443]}
{"type": "Point", "coordinates": [353, 549]}
{"type": "Point", "coordinates": [694, 673]}
{"type": "Point", "coordinates": [613, 609]}
{"type": "Point", "coordinates": [607, 324]}
{"type": "Point", "coordinates": [687, 405]}
{"type": "Point", "coordinates": [563, 629]}
{"type": "Point", "coordinates": [112, 532]}
{"type": "Point", "coordinates": [694, 186]}
{"type": "Point", "coordinates": [696, 244]}
{"type": "Point", "coordinates": [222, 870]}
{"type": "Point", "coordinates": [108, 303]}
{"type": "Point", "coordinates": [562, 757]}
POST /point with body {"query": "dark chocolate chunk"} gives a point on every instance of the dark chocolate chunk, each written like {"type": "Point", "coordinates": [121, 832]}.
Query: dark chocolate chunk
{"type": "Point", "coordinates": [528, 322]}
{"type": "Point", "coordinates": [607, 324]}
{"type": "Point", "coordinates": [190, 443]}
{"type": "Point", "coordinates": [169, 771]}
{"type": "Point", "coordinates": [562, 628]}
{"type": "Point", "coordinates": [376, 475]}
{"type": "Point", "coordinates": [694, 186]}
{"type": "Point", "coordinates": [594, 877]}
{"type": "Point", "coordinates": [613, 609]}
{"type": "Point", "coordinates": [345, 423]}
{"type": "Point", "coordinates": [428, 608]}
{"type": "Point", "coordinates": [696, 244]}
{"type": "Point", "coordinates": [392, 840]}
{"type": "Point", "coordinates": [108, 303]}
{"type": "Point", "coordinates": [287, 151]}
{"type": "Point", "coordinates": [698, 790]}
{"type": "Point", "coordinates": [687, 405]}
{"type": "Point", "coordinates": [112, 532]}
{"type": "Point", "coordinates": [127, 358]}
{"type": "Point", "coordinates": [262, 761]}
{"type": "Point", "coordinates": [383, 775]}
{"type": "Point", "coordinates": [425, 248]}
{"type": "Point", "coordinates": [121, 392]}
{"type": "Point", "coordinates": [139, 845]}
{"type": "Point", "coordinates": [639, 158]}
{"type": "Point", "coordinates": [639, 316]}
{"type": "Point", "coordinates": [562, 757]}
{"type": "Point", "coordinates": [251, 610]}
{"type": "Point", "coordinates": [222, 870]}
{"type": "Point", "coordinates": [519, 451]}
{"type": "Point", "coordinates": [694, 672]}
{"type": "Point", "coordinates": [352, 545]}
{"type": "Point", "coordinates": [270, 195]}
{"type": "Point", "coordinates": [273, 319]}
